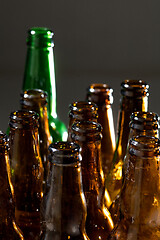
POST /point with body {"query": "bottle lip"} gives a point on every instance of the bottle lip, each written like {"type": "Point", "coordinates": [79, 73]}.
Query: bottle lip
{"type": "Point", "coordinates": [144, 120]}
{"type": "Point", "coordinates": [64, 153]}
{"type": "Point", "coordinates": [30, 97]}
{"type": "Point", "coordinates": [100, 93]}
{"type": "Point", "coordinates": [144, 146]}
{"type": "Point", "coordinates": [23, 119]}
{"type": "Point", "coordinates": [80, 106]}
{"type": "Point", "coordinates": [100, 87]}
{"type": "Point", "coordinates": [40, 37]}
{"type": "Point", "coordinates": [133, 88]}
{"type": "Point", "coordinates": [86, 131]}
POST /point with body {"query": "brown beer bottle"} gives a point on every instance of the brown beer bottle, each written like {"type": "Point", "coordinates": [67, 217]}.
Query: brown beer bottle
{"type": "Point", "coordinates": [8, 227]}
{"type": "Point", "coordinates": [65, 213]}
{"type": "Point", "coordinates": [140, 195]}
{"type": "Point", "coordinates": [142, 123]}
{"type": "Point", "coordinates": [27, 171]}
{"type": "Point", "coordinates": [36, 100]}
{"type": "Point", "coordinates": [88, 135]}
{"type": "Point", "coordinates": [101, 94]}
{"type": "Point", "coordinates": [81, 111]}
{"type": "Point", "coordinates": [134, 98]}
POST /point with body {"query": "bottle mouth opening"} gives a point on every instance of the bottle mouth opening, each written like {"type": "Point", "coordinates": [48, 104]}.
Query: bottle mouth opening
{"type": "Point", "coordinates": [144, 146]}
{"type": "Point", "coordinates": [64, 153]}
{"type": "Point", "coordinates": [33, 96]}
{"type": "Point", "coordinates": [100, 93]}
{"type": "Point", "coordinates": [87, 127]}
{"type": "Point", "coordinates": [23, 119]}
{"type": "Point", "coordinates": [144, 116]}
{"type": "Point", "coordinates": [144, 120]}
{"type": "Point", "coordinates": [132, 88]}
{"type": "Point", "coordinates": [40, 37]}
{"type": "Point", "coordinates": [86, 131]}
{"type": "Point", "coordinates": [82, 106]}
{"type": "Point", "coordinates": [100, 87]}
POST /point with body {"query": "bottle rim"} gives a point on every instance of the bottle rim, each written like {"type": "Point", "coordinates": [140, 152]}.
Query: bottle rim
{"type": "Point", "coordinates": [144, 146]}
{"type": "Point", "coordinates": [30, 97]}
{"type": "Point", "coordinates": [40, 37]}
{"type": "Point", "coordinates": [144, 120]}
{"type": "Point", "coordinates": [133, 88]}
{"type": "Point", "coordinates": [64, 153]}
{"type": "Point", "coordinates": [101, 92]}
{"type": "Point", "coordinates": [23, 119]}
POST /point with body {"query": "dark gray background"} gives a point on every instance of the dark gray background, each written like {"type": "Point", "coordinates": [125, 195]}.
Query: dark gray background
{"type": "Point", "coordinates": [95, 41]}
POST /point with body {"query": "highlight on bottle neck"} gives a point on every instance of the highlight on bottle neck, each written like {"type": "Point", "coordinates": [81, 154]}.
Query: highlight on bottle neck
{"type": "Point", "coordinates": [134, 88]}
{"type": "Point", "coordinates": [34, 97]}
{"type": "Point", "coordinates": [100, 93]}
{"type": "Point", "coordinates": [86, 131]}
{"type": "Point", "coordinates": [144, 146]}
{"type": "Point", "coordinates": [83, 109]}
{"type": "Point", "coordinates": [24, 119]}
{"type": "Point", "coordinates": [64, 153]}
{"type": "Point", "coordinates": [4, 142]}
{"type": "Point", "coordinates": [40, 37]}
{"type": "Point", "coordinates": [144, 121]}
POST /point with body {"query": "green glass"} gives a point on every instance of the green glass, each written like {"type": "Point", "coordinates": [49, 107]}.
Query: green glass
{"type": "Point", "coordinates": [40, 74]}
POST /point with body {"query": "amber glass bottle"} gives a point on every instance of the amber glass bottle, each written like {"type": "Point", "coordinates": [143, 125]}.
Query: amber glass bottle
{"type": "Point", "coordinates": [8, 228]}
{"type": "Point", "coordinates": [101, 94]}
{"type": "Point", "coordinates": [81, 111]}
{"type": "Point", "coordinates": [134, 97]}
{"type": "Point", "coordinates": [142, 123]}
{"type": "Point", "coordinates": [36, 100]}
{"type": "Point", "coordinates": [88, 135]}
{"type": "Point", "coordinates": [40, 74]}
{"type": "Point", "coordinates": [27, 171]}
{"type": "Point", "coordinates": [140, 195]}
{"type": "Point", "coordinates": [65, 213]}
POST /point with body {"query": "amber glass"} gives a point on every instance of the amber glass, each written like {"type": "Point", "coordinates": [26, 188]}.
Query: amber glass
{"type": "Point", "coordinates": [65, 213]}
{"type": "Point", "coordinates": [88, 135]}
{"type": "Point", "coordinates": [36, 100]}
{"type": "Point", "coordinates": [8, 227]}
{"type": "Point", "coordinates": [142, 123]}
{"type": "Point", "coordinates": [27, 171]}
{"type": "Point", "coordinates": [134, 97]}
{"type": "Point", "coordinates": [101, 94]}
{"type": "Point", "coordinates": [140, 195]}
{"type": "Point", "coordinates": [81, 111]}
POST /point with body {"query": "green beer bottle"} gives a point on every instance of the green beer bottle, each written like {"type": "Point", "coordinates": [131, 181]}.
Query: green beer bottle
{"type": "Point", "coordinates": [40, 74]}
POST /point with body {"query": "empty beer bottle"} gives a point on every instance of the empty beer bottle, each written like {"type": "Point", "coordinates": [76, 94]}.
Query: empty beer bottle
{"type": "Point", "coordinates": [27, 171]}
{"type": "Point", "coordinates": [40, 74]}
{"type": "Point", "coordinates": [87, 135]}
{"type": "Point", "coordinates": [142, 123]}
{"type": "Point", "coordinates": [8, 227]}
{"type": "Point", "coordinates": [101, 94]}
{"type": "Point", "coordinates": [140, 195]}
{"type": "Point", "coordinates": [134, 98]}
{"type": "Point", "coordinates": [65, 213]}
{"type": "Point", "coordinates": [81, 111]}
{"type": "Point", "coordinates": [36, 100]}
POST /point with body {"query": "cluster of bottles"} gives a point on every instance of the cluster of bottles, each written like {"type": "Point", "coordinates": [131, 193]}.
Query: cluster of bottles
{"type": "Point", "coordinates": [78, 183]}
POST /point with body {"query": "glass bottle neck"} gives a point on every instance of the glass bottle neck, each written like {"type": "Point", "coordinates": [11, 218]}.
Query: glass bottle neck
{"type": "Point", "coordinates": [67, 197]}
{"type": "Point", "coordinates": [40, 73]}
